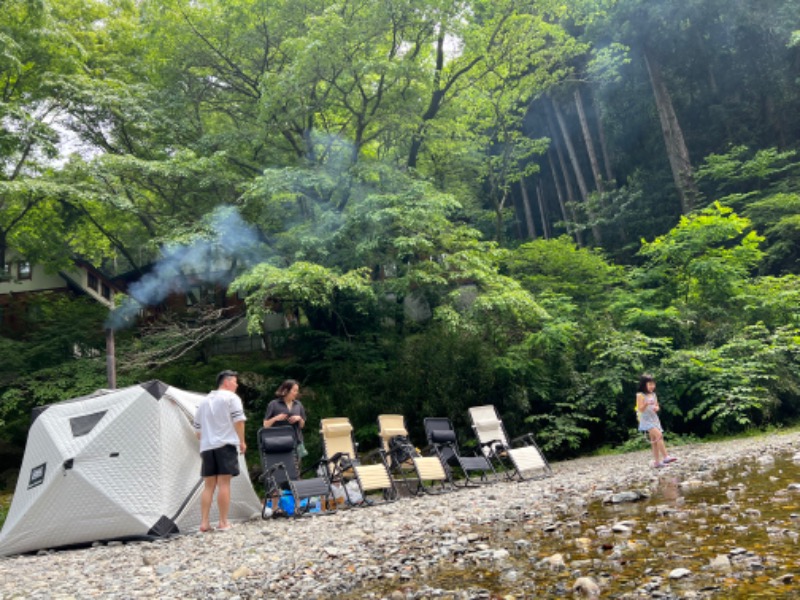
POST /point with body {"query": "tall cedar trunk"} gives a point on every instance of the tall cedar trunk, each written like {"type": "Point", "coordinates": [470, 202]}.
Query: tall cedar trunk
{"type": "Point", "coordinates": [526, 206]}
{"type": "Point", "coordinates": [576, 169]}
{"type": "Point", "coordinates": [542, 212]}
{"type": "Point", "coordinates": [567, 181]}
{"type": "Point", "coordinates": [519, 217]}
{"type": "Point", "coordinates": [560, 197]}
{"type": "Point", "coordinates": [677, 152]}
{"type": "Point", "coordinates": [587, 138]}
{"type": "Point", "coordinates": [498, 209]}
{"type": "Point", "coordinates": [775, 119]}
{"type": "Point", "coordinates": [601, 136]}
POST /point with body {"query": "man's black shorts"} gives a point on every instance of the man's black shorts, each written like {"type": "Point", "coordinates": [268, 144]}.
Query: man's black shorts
{"type": "Point", "coordinates": [220, 461]}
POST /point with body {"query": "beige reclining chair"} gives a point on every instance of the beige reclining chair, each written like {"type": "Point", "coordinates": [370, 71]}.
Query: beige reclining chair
{"type": "Point", "coordinates": [344, 465]}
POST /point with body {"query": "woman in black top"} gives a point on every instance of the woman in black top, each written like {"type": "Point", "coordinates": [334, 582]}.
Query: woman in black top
{"type": "Point", "coordinates": [287, 409]}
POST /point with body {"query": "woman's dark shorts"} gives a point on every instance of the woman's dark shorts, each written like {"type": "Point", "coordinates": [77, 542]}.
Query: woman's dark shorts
{"type": "Point", "coordinates": [220, 461]}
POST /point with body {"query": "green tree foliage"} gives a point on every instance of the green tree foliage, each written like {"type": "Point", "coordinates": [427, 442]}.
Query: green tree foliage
{"type": "Point", "coordinates": [705, 260]}
{"type": "Point", "coordinates": [559, 266]}
{"type": "Point", "coordinates": [38, 51]}
{"type": "Point", "coordinates": [59, 357]}
{"type": "Point", "coordinates": [740, 384]}
{"type": "Point", "coordinates": [736, 344]}
{"type": "Point", "coordinates": [320, 293]}
{"type": "Point", "coordinates": [763, 186]}
{"type": "Point", "coordinates": [376, 149]}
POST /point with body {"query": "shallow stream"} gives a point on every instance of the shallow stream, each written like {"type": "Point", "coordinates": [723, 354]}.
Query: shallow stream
{"type": "Point", "coordinates": [731, 533]}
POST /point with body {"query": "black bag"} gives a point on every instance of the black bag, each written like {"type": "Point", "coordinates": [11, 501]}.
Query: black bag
{"type": "Point", "coordinates": [401, 449]}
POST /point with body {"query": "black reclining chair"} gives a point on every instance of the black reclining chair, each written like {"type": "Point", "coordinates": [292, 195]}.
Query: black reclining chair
{"type": "Point", "coordinates": [276, 447]}
{"type": "Point", "coordinates": [442, 438]}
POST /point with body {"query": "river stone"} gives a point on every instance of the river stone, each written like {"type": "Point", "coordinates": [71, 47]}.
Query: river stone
{"type": "Point", "coordinates": [241, 572]}
{"type": "Point", "coordinates": [629, 496]}
{"type": "Point", "coordinates": [163, 570]}
{"type": "Point", "coordinates": [783, 579]}
{"type": "Point", "coordinates": [679, 573]}
{"type": "Point", "coordinates": [691, 484]}
{"type": "Point", "coordinates": [586, 587]}
{"type": "Point", "coordinates": [721, 563]}
{"type": "Point", "coordinates": [510, 576]}
{"type": "Point", "coordinates": [555, 562]}
{"type": "Point", "coordinates": [500, 555]}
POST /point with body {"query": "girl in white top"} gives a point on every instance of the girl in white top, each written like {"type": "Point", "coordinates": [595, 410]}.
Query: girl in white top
{"type": "Point", "coordinates": [647, 409]}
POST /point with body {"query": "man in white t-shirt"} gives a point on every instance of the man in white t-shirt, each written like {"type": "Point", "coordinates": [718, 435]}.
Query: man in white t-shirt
{"type": "Point", "coordinates": [219, 424]}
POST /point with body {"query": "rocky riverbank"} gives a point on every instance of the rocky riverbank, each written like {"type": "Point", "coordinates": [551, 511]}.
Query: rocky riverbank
{"type": "Point", "coordinates": [435, 546]}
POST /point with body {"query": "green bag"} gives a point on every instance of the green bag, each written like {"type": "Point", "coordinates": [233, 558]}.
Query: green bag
{"type": "Point", "coordinates": [301, 450]}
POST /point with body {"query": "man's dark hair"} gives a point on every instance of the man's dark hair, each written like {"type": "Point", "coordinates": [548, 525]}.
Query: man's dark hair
{"type": "Point", "coordinates": [226, 373]}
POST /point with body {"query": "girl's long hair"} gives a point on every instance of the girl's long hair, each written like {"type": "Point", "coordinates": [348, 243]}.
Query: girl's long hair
{"type": "Point", "coordinates": [643, 381]}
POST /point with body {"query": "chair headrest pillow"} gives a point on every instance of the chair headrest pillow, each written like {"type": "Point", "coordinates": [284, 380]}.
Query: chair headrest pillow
{"type": "Point", "coordinates": [337, 429]}
{"type": "Point", "coordinates": [487, 425]}
{"type": "Point", "coordinates": [278, 443]}
{"type": "Point", "coordinates": [443, 436]}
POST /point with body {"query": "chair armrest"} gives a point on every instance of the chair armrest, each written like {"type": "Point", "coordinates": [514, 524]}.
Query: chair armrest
{"type": "Point", "coordinates": [369, 457]}
{"type": "Point", "coordinates": [315, 467]}
{"type": "Point", "coordinates": [492, 443]}
{"type": "Point", "coordinates": [526, 439]}
{"type": "Point", "coordinates": [276, 467]}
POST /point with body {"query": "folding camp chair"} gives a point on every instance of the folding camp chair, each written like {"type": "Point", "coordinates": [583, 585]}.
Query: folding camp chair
{"type": "Point", "coordinates": [518, 457]}
{"type": "Point", "coordinates": [442, 439]}
{"type": "Point", "coordinates": [405, 462]}
{"type": "Point", "coordinates": [345, 467]}
{"type": "Point", "coordinates": [276, 447]}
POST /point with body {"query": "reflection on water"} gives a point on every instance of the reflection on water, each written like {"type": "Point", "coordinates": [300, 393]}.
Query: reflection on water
{"type": "Point", "coordinates": [733, 532]}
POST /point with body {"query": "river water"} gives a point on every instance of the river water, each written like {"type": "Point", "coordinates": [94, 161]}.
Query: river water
{"type": "Point", "coordinates": [730, 533]}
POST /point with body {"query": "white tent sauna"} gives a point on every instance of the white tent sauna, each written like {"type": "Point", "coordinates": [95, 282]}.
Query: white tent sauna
{"type": "Point", "coordinates": [119, 464]}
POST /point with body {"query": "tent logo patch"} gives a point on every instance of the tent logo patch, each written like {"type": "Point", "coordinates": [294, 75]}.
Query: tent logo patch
{"type": "Point", "coordinates": [37, 475]}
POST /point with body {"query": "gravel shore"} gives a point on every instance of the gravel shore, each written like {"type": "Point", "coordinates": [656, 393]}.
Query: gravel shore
{"type": "Point", "coordinates": [325, 556]}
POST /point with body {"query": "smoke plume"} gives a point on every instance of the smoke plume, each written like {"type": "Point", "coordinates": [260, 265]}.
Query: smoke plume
{"type": "Point", "coordinates": [215, 259]}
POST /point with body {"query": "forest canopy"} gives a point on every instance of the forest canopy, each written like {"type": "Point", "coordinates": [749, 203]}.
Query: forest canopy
{"type": "Point", "coordinates": [454, 202]}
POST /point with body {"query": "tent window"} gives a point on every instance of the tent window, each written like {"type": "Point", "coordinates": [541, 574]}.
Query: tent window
{"type": "Point", "coordinates": [85, 423]}
{"type": "Point", "coordinates": [37, 475]}
{"type": "Point", "coordinates": [24, 270]}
